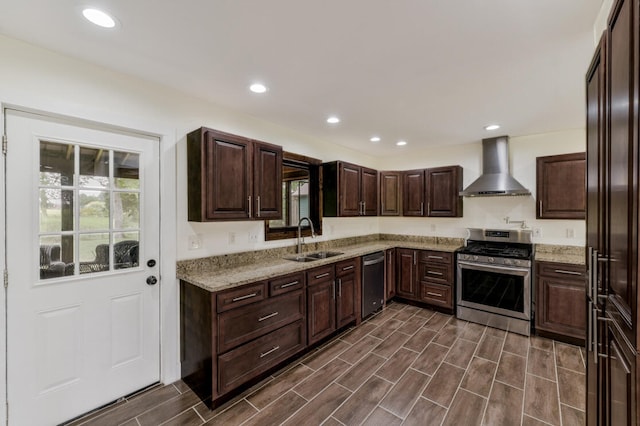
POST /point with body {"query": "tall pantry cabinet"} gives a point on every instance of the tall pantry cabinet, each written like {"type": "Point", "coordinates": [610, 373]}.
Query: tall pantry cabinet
{"type": "Point", "coordinates": [613, 186]}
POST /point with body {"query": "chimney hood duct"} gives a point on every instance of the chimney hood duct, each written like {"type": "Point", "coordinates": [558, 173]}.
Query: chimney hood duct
{"type": "Point", "coordinates": [495, 179]}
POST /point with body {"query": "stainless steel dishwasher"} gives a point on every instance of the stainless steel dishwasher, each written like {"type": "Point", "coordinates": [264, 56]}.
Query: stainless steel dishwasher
{"type": "Point", "coordinates": [372, 283]}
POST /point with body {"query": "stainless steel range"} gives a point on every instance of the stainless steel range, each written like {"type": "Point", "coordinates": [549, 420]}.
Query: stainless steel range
{"type": "Point", "coordinates": [494, 279]}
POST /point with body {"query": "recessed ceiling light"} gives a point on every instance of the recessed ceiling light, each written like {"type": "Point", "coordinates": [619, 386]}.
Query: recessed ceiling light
{"type": "Point", "coordinates": [492, 127]}
{"type": "Point", "coordinates": [401, 143]}
{"type": "Point", "coordinates": [375, 139]}
{"type": "Point", "coordinates": [333, 120]}
{"type": "Point", "coordinates": [99, 18]}
{"type": "Point", "coordinates": [258, 88]}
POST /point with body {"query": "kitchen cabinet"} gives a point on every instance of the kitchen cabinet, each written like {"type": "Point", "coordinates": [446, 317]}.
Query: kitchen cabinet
{"type": "Point", "coordinates": [560, 298]}
{"type": "Point", "coordinates": [435, 278]}
{"type": "Point", "coordinates": [443, 186]}
{"type": "Point", "coordinates": [561, 187]}
{"type": "Point", "coordinates": [390, 193]}
{"type": "Point", "coordinates": [390, 274]}
{"type": "Point", "coordinates": [432, 192]}
{"type": "Point", "coordinates": [231, 177]}
{"type": "Point", "coordinates": [230, 337]}
{"type": "Point", "coordinates": [349, 190]}
{"type": "Point", "coordinates": [348, 292]}
{"type": "Point", "coordinates": [612, 221]}
{"type": "Point", "coordinates": [425, 276]}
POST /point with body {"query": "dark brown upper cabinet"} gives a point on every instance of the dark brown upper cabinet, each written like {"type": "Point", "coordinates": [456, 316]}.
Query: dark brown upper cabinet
{"type": "Point", "coordinates": [443, 187]}
{"type": "Point", "coordinates": [390, 193]}
{"type": "Point", "coordinates": [349, 190]}
{"type": "Point", "coordinates": [561, 186]}
{"type": "Point", "coordinates": [432, 192]}
{"type": "Point", "coordinates": [231, 177]}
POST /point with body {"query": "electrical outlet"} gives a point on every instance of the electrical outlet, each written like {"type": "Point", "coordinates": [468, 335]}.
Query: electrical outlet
{"type": "Point", "coordinates": [571, 233]}
{"type": "Point", "coordinates": [195, 241]}
{"type": "Point", "coordinates": [253, 237]}
{"type": "Point", "coordinates": [232, 237]}
{"type": "Point", "coordinates": [537, 232]}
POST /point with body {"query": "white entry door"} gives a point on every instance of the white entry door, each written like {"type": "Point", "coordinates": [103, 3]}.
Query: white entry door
{"type": "Point", "coordinates": [82, 258]}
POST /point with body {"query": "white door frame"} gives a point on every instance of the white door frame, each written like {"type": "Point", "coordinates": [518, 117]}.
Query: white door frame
{"type": "Point", "coordinates": [169, 300]}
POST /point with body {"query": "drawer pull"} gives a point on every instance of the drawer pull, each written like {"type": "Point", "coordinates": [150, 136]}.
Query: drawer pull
{"type": "Point", "coordinates": [247, 296]}
{"type": "Point", "coordinates": [267, 316]}
{"type": "Point", "coordinates": [562, 271]}
{"type": "Point", "coordinates": [346, 268]}
{"type": "Point", "coordinates": [431, 293]}
{"type": "Point", "coordinates": [326, 274]}
{"type": "Point", "coordinates": [289, 284]}
{"type": "Point", "coordinates": [270, 351]}
{"type": "Point", "coordinates": [435, 257]}
{"type": "Point", "coordinates": [434, 273]}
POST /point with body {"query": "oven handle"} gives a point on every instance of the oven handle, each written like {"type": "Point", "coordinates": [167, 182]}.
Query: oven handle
{"type": "Point", "coordinates": [485, 267]}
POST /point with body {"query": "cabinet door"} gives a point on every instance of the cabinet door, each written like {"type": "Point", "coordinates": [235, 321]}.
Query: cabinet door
{"type": "Point", "coordinates": [390, 271]}
{"type": "Point", "coordinates": [561, 187]}
{"type": "Point", "coordinates": [321, 310]}
{"type": "Point", "coordinates": [227, 175]}
{"type": "Point", "coordinates": [346, 299]}
{"type": "Point", "coordinates": [390, 193]}
{"type": "Point", "coordinates": [443, 187]}
{"type": "Point", "coordinates": [622, 89]}
{"type": "Point", "coordinates": [406, 284]}
{"type": "Point", "coordinates": [267, 181]}
{"type": "Point", "coordinates": [620, 384]}
{"type": "Point", "coordinates": [369, 192]}
{"type": "Point", "coordinates": [413, 193]}
{"type": "Point", "coordinates": [349, 191]}
{"type": "Point", "coordinates": [560, 306]}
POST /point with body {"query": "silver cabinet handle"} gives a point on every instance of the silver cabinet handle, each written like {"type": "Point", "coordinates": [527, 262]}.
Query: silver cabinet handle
{"type": "Point", "coordinates": [258, 208]}
{"type": "Point", "coordinates": [249, 201]}
{"type": "Point", "coordinates": [289, 284]}
{"type": "Point", "coordinates": [270, 351]}
{"type": "Point", "coordinates": [364, 207]}
{"type": "Point", "coordinates": [422, 208]}
{"type": "Point", "coordinates": [430, 293]}
{"type": "Point", "coordinates": [428, 207]}
{"type": "Point", "coordinates": [247, 296]}
{"type": "Point", "coordinates": [562, 271]}
{"type": "Point", "coordinates": [435, 273]}
{"type": "Point", "coordinates": [267, 316]}
{"type": "Point", "coordinates": [346, 268]}
{"type": "Point", "coordinates": [540, 209]}
{"type": "Point", "coordinates": [414, 257]}
{"type": "Point", "coordinates": [589, 285]}
{"type": "Point", "coordinates": [326, 274]}
{"type": "Point", "coordinates": [339, 287]}
{"type": "Point", "coordinates": [435, 257]}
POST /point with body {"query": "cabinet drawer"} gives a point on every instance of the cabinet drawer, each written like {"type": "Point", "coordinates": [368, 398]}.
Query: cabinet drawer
{"type": "Point", "coordinates": [241, 296]}
{"type": "Point", "coordinates": [321, 274]}
{"type": "Point", "coordinates": [436, 272]}
{"type": "Point", "coordinates": [436, 294]}
{"type": "Point", "coordinates": [286, 284]}
{"type": "Point", "coordinates": [436, 257]}
{"type": "Point", "coordinates": [346, 267]}
{"type": "Point", "coordinates": [241, 325]}
{"type": "Point", "coordinates": [564, 270]}
{"type": "Point", "coordinates": [247, 361]}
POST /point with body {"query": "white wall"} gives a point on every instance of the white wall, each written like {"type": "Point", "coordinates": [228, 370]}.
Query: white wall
{"type": "Point", "coordinates": [601, 20]}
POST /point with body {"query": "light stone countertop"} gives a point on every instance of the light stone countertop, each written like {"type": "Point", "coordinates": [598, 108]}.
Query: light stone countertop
{"type": "Point", "coordinates": [225, 278]}
{"type": "Point", "coordinates": [560, 254]}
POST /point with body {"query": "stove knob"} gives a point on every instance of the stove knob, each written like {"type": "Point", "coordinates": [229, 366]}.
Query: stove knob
{"type": "Point", "coordinates": [508, 262]}
{"type": "Point", "coordinates": [490, 259]}
{"type": "Point", "coordinates": [475, 257]}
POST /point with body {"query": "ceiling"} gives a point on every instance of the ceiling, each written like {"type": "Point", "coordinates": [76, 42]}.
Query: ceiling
{"type": "Point", "coordinates": [431, 72]}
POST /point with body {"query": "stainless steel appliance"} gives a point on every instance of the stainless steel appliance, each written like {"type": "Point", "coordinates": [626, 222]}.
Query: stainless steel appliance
{"type": "Point", "coordinates": [372, 283]}
{"type": "Point", "coordinates": [494, 279]}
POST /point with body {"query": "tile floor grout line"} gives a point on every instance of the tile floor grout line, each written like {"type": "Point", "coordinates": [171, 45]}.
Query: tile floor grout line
{"type": "Point", "coordinates": [495, 373]}
{"type": "Point", "coordinates": [555, 369]}
{"type": "Point", "coordinates": [524, 385]}
{"type": "Point", "coordinates": [199, 415]}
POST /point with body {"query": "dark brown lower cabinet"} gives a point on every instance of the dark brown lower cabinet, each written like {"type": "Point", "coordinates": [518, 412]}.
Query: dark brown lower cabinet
{"type": "Point", "coordinates": [560, 301]}
{"type": "Point", "coordinates": [321, 303]}
{"type": "Point", "coordinates": [425, 276]}
{"type": "Point", "coordinates": [348, 292]}
{"type": "Point", "coordinates": [406, 273]}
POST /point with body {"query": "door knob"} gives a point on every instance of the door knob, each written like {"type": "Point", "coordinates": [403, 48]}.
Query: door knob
{"type": "Point", "coordinates": [151, 280]}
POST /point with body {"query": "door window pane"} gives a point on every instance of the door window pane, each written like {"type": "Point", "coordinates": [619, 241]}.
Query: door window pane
{"type": "Point", "coordinates": [56, 164]}
{"type": "Point", "coordinates": [126, 170]}
{"type": "Point", "coordinates": [52, 256]}
{"type": "Point", "coordinates": [56, 210]}
{"type": "Point", "coordinates": [94, 210]}
{"type": "Point", "coordinates": [94, 168]}
{"type": "Point", "coordinates": [94, 252]}
{"type": "Point", "coordinates": [125, 250]}
{"type": "Point", "coordinates": [126, 210]}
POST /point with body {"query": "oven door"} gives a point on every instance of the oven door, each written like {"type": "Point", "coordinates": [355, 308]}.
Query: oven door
{"type": "Point", "coordinates": [504, 290]}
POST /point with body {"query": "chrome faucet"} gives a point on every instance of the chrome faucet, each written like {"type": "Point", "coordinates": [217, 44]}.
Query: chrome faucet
{"type": "Point", "coordinates": [313, 232]}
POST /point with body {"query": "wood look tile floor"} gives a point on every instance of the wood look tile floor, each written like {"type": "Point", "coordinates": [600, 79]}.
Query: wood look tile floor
{"type": "Point", "coordinates": [405, 365]}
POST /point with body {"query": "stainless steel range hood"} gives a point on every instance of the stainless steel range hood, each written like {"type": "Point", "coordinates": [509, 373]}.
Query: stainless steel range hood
{"type": "Point", "coordinates": [495, 179]}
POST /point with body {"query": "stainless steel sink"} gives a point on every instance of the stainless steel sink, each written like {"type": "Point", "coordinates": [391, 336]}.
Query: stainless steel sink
{"type": "Point", "coordinates": [324, 254]}
{"type": "Point", "coordinates": [301, 258]}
